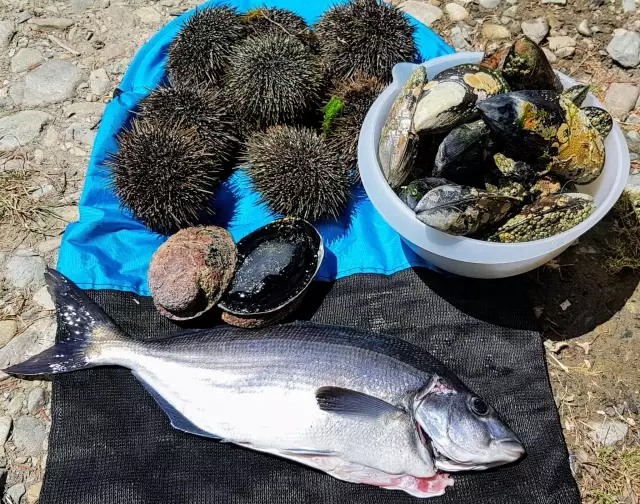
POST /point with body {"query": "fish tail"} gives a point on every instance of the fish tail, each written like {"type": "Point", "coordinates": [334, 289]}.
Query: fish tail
{"type": "Point", "coordinates": [87, 331]}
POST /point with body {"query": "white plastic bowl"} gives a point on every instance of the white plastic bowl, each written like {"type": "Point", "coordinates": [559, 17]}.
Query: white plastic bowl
{"type": "Point", "coordinates": [465, 256]}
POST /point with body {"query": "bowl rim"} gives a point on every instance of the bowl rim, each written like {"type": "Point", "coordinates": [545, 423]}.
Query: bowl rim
{"type": "Point", "coordinates": [460, 248]}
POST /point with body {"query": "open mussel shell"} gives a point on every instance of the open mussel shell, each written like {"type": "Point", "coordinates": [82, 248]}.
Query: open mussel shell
{"type": "Point", "coordinates": [398, 144]}
{"type": "Point", "coordinates": [451, 97]}
{"type": "Point", "coordinates": [577, 94]}
{"type": "Point", "coordinates": [527, 67]}
{"type": "Point", "coordinates": [600, 119]}
{"type": "Point", "coordinates": [190, 272]}
{"type": "Point", "coordinates": [412, 193]}
{"type": "Point", "coordinates": [276, 264]}
{"type": "Point", "coordinates": [546, 217]}
{"type": "Point", "coordinates": [461, 210]}
{"type": "Point", "coordinates": [494, 58]}
{"type": "Point", "coordinates": [461, 155]}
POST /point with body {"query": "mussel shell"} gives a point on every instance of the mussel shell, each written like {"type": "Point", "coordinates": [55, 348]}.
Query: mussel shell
{"type": "Point", "coordinates": [600, 119]}
{"type": "Point", "coordinates": [412, 193]}
{"type": "Point", "coordinates": [484, 81]}
{"type": "Point", "coordinates": [577, 94]}
{"type": "Point", "coordinates": [546, 217]}
{"type": "Point", "coordinates": [546, 186]}
{"type": "Point", "coordinates": [527, 67]}
{"type": "Point", "coordinates": [461, 155]}
{"type": "Point", "coordinates": [495, 59]}
{"type": "Point", "coordinates": [398, 144]}
{"type": "Point", "coordinates": [520, 171]}
{"type": "Point", "coordinates": [276, 264]}
{"type": "Point", "coordinates": [461, 210]}
{"type": "Point", "coordinates": [525, 123]}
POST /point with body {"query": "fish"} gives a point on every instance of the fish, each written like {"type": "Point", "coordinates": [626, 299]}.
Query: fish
{"type": "Point", "coordinates": [362, 407]}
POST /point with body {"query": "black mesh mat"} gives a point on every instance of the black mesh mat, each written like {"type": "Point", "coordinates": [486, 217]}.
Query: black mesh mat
{"type": "Point", "coordinates": [110, 443]}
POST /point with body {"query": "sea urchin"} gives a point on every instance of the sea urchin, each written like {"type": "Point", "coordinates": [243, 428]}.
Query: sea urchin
{"type": "Point", "coordinates": [165, 174]}
{"type": "Point", "coordinates": [265, 21]}
{"type": "Point", "coordinates": [273, 79]}
{"type": "Point", "coordinates": [364, 36]}
{"type": "Point", "coordinates": [200, 52]}
{"type": "Point", "coordinates": [297, 173]}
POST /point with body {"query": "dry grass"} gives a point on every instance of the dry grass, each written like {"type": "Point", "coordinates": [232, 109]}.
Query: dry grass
{"type": "Point", "coordinates": [611, 475]}
{"type": "Point", "coordinates": [624, 248]}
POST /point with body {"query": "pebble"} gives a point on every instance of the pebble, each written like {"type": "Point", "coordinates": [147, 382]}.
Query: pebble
{"type": "Point", "coordinates": [608, 433]}
{"type": "Point", "coordinates": [456, 12]}
{"type": "Point", "coordinates": [621, 98]}
{"type": "Point", "coordinates": [149, 15]}
{"type": "Point", "coordinates": [28, 435]}
{"type": "Point", "coordinates": [33, 492]}
{"type": "Point", "coordinates": [550, 56]}
{"type": "Point", "coordinates": [633, 141]}
{"type": "Point", "coordinates": [511, 12]}
{"type": "Point", "coordinates": [84, 110]}
{"type": "Point", "coordinates": [536, 29]}
{"type": "Point", "coordinates": [7, 29]}
{"type": "Point", "coordinates": [459, 40]}
{"type": "Point", "coordinates": [561, 42]}
{"type": "Point", "coordinates": [8, 329]}
{"type": "Point", "coordinates": [628, 5]}
{"type": "Point", "coordinates": [19, 129]}
{"type": "Point", "coordinates": [489, 4]}
{"type": "Point", "coordinates": [15, 405]}
{"type": "Point", "coordinates": [425, 13]}
{"type": "Point", "coordinates": [52, 22]}
{"type": "Point", "coordinates": [15, 493]}
{"type": "Point", "coordinates": [565, 52]}
{"type": "Point", "coordinates": [43, 298]}
{"type": "Point", "coordinates": [50, 137]}
{"type": "Point", "coordinates": [35, 400]}
{"type": "Point", "coordinates": [583, 28]}
{"type": "Point", "coordinates": [111, 51]}
{"type": "Point", "coordinates": [49, 245]}
{"type": "Point", "coordinates": [100, 82]}
{"type": "Point", "coordinates": [23, 16]}
{"type": "Point", "coordinates": [25, 269]}
{"type": "Point", "coordinates": [625, 48]}
{"type": "Point", "coordinates": [25, 59]}
{"type": "Point", "coordinates": [81, 133]}
{"type": "Point", "coordinates": [5, 428]}
{"type": "Point", "coordinates": [34, 339]}
{"type": "Point", "coordinates": [494, 32]}
{"type": "Point", "coordinates": [43, 190]}
{"type": "Point", "coordinates": [53, 82]}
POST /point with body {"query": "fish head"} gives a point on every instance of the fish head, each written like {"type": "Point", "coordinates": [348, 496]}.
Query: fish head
{"type": "Point", "coordinates": [463, 431]}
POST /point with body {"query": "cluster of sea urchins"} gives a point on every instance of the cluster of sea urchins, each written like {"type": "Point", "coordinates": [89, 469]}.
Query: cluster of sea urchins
{"type": "Point", "coordinates": [263, 88]}
{"type": "Point", "coordinates": [510, 146]}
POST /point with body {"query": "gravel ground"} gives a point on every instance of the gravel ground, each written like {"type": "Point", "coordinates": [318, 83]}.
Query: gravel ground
{"type": "Point", "coordinates": [60, 62]}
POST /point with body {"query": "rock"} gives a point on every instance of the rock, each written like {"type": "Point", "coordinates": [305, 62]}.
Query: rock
{"type": "Point", "coordinates": [625, 48]}
{"type": "Point", "coordinates": [494, 32]}
{"type": "Point", "coordinates": [5, 428]}
{"type": "Point", "coordinates": [557, 2]}
{"type": "Point", "coordinates": [608, 433]}
{"type": "Point", "coordinates": [80, 133]}
{"type": "Point", "coordinates": [56, 23]}
{"type": "Point", "coordinates": [28, 435]}
{"type": "Point", "coordinates": [121, 16]}
{"type": "Point", "coordinates": [583, 28]}
{"type": "Point", "coordinates": [38, 156]}
{"type": "Point", "coordinates": [511, 12]}
{"type": "Point", "coordinates": [36, 400]}
{"type": "Point", "coordinates": [459, 40]}
{"type": "Point", "coordinates": [633, 141]}
{"type": "Point", "coordinates": [33, 492]}
{"type": "Point", "coordinates": [25, 59]}
{"type": "Point", "coordinates": [536, 29]}
{"type": "Point", "coordinates": [425, 13]}
{"type": "Point", "coordinates": [112, 51]}
{"type": "Point", "coordinates": [49, 245]}
{"type": "Point", "coordinates": [621, 98]}
{"type": "Point", "coordinates": [149, 15]}
{"type": "Point", "coordinates": [628, 5]}
{"type": "Point", "coordinates": [84, 110]}
{"type": "Point", "coordinates": [565, 52]}
{"type": "Point", "coordinates": [15, 493]}
{"type": "Point", "coordinates": [23, 16]}
{"type": "Point", "coordinates": [556, 43]}
{"type": "Point", "coordinates": [15, 405]}
{"type": "Point", "coordinates": [53, 82]}
{"type": "Point", "coordinates": [43, 298]}
{"type": "Point", "coordinates": [8, 329]}
{"type": "Point", "coordinates": [19, 129]}
{"type": "Point", "coordinates": [489, 4]}
{"type": "Point", "coordinates": [25, 269]}
{"type": "Point", "coordinates": [67, 213]}
{"type": "Point", "coordinates": [37, 337]}
{"type": "Point", "coordinates": [7, 29]}
{"type": "Point", "coordinates": [550, 56]}
{"type": "Point", "coordinates": [14, 165]}
{"type": "Point", "coordinates": [456, 12]}
{"type": "Point", "coordinates": [43, 190]}
{"type": "Point", "coordinates": [100, 82]}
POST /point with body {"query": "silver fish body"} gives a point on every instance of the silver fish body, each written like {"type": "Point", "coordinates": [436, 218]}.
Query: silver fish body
{"type": "Point", "coordinates": [350, 403]}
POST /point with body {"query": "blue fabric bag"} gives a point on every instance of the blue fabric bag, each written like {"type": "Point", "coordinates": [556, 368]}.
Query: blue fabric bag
{"type": "Point", "coordinates": [108, 249]}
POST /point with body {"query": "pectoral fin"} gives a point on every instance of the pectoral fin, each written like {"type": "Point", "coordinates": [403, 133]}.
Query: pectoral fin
{"type": "Point", "coordinates": [342, 400]}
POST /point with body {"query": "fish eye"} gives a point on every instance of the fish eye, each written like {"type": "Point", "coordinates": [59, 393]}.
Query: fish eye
{"type": "Point", "coordinates": [478, 406]}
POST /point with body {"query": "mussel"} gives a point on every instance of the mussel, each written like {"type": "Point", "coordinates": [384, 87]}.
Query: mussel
{"type": "Point", "coordinates": [520, 171]}
{"type": "Point", "coordinates": [461, 210]}
{"type": "Point", "coordinates": [461, 155]}
{"type": "Point", "coordinates": [451, 97]}
{"type": "Point", "coordinates": [545, 186]}
{"type": "Point", "coordinates": [276, 264]}
{"type": "Point", "coordinates": [577, 94]}
{"type": "Point", "coordinates": [600, 119]}
{"type": "Point", "coordinates": [495, 58]}
{"type": "Point", "coordinates": [412, 193]}
{"type": "Point", "coordinates": [546, 217]}
{"type": "Point", "coordinates": [527, 67]}
{"type": "Point", "coordinates": [398, 144]}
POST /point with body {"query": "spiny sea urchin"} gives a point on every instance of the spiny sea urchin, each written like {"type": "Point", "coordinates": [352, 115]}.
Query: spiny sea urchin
{"type": "Point", "coordinates": [200, 107]}
{"type": "Point", "coordinates": [165, 174]}
{"type": "Point", "coordinates": [266, 21]}
{"type": "Point", "coordinates": [200, 52]}
{"type": "Point", "coordinates": [297, 173]}
{"type": "Point", "coordinates": [273, 79]}
{"type": "Point", "coordinates": [343, 129]}
{"type": "Point", "coordinates": [366, 36]}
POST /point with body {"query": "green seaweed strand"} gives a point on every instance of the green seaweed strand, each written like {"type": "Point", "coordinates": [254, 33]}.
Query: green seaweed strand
{"type": "Point", "coordinates": [331, 110]}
